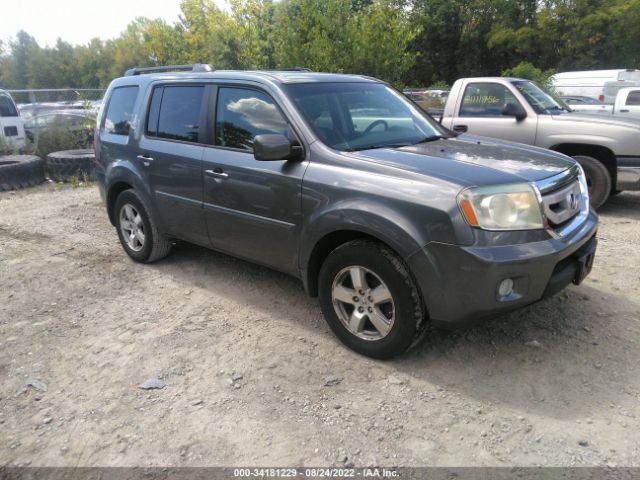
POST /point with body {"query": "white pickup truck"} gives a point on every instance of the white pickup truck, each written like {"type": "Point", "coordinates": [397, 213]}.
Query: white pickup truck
{"type": "Point", "coordinates": [627, 104]}
{"type": "Point", "coordinates": [606, 146]}
{"type": "Point", "coordinates": [11, 125]}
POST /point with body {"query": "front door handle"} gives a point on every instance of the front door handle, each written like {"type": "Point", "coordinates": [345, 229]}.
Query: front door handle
{"type": "Point", "coordinates": [625, 110]}
{"type": "Point", "coordinates": [217, 173]}
{"type": "Point", "coordinates": [460, 128]}
{"type": "Point", "coordinates": [145, 159]}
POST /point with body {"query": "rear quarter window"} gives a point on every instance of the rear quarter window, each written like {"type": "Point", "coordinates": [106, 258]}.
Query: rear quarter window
{"type": "Point", "coordinates": [120, 110]}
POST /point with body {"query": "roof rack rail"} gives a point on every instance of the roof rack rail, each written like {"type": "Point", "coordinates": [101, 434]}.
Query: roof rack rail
{"type": "Point", "coordinates": [196, 67]}
{"type": "Point", "coordinates": [296, 69]}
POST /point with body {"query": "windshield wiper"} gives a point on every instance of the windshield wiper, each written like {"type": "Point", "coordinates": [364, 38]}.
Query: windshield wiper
{"type": "Point", "coordinates": [431, 138]}
{"type": "Point", "coordinates": [373, 147]}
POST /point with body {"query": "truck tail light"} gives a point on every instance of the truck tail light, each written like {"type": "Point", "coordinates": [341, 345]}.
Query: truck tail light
{"type": "Point", "coordinates": [601, 98]}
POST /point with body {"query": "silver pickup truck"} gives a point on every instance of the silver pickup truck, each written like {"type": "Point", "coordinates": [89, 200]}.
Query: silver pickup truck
{"type": "Point", "coordinates": [608, 148]}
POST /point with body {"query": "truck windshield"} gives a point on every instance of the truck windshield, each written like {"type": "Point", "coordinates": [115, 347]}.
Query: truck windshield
{"type": "Point", "coordinates": [362, 116]}
{"type": "Point", "coordinates": [540, 100]}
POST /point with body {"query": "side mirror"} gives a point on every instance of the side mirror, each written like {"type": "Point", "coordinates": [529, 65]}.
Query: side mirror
{"type": "Point", "coordinates": [514, 110]}
{"type": "Point", "coordinates": [274, 147]}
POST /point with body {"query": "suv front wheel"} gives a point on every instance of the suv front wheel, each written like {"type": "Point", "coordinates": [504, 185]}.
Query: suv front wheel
{"type": "Point", "coordinates": [370, 300]}
{"type": "Point", "coordinates": [137, 229]}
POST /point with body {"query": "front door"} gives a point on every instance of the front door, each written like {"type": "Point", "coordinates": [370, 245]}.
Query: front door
{"type": "Point", "coordinates": [252, 208]}
{"type": "Point", "coordinates": [480, 113]}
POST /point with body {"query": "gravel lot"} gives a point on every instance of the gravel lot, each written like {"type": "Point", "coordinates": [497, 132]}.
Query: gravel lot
{"type": "Point", "coordinates": [246, 356]}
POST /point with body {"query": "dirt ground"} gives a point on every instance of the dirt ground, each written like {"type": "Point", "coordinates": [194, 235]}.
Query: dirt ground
{"type": "Point", "coordinates": [245, 356]}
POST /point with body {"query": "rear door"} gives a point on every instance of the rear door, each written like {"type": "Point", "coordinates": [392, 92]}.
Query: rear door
{"type": "Point", "coordinates": [479, 112]}
{"type": "Point", "coordinates": [171, 152]}
{"type": "Point", "coordinates": [11, 125]}
{"type": "Point", "coordinates": [252, 208]}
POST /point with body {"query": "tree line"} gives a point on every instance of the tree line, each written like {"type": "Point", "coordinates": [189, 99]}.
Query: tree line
{"type": "Point", "coordinates": [405, 42]}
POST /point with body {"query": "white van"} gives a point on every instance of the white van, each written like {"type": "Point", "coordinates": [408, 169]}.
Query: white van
{"type": "Point", "coordinates": [600, 84]}
{"type": "Point", "coordinates": [11, 125]}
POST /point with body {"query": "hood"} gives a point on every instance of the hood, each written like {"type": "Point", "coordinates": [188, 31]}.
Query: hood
{"type": "Point", "coordinates": [601, 118]}
{"type": "Point", "coordinates": [466, 152]}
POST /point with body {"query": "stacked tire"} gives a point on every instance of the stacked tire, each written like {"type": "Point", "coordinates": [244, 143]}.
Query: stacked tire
{"type": "Point", "coordinates": [20, 171]}
{"type": "Point", "coordinates": [68, 165]}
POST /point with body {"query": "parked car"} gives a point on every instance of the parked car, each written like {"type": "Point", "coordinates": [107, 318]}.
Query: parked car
{"type": "Point", "coordinates": [600, 84]}
{"type": "Point", "coordinates": [339, 180]}
{"type": "Point", "coordinates": [627, 104]}
{"type": "Point", "coordinates": [30, 110]}
{"type": "Point", "coordinates": [79, 122]}
{"type": "Point", "coordinates": [11, 125]}
{"type": "Point", "coordinates": [608, 148]}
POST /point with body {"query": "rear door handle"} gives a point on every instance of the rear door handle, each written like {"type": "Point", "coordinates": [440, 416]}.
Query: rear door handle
{"type": "Point", "coordinates": [217, 173]}
{"type": "Point", "coordinates": [460, 128]}
{"type": "Point", "coordinates": [145, 159]}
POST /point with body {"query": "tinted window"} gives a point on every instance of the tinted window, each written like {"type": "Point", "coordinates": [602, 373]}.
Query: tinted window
{"type": "Point", "coordinates": [7, 108]}
{"type": "Point", "coordinates": [154, 111]}
{"type": "Point", "coordinates": [120, 110]}
{"type": "Point", "coordinates": [485, 100]}
{"type": "Point", "coordinates": [633, 98]}
{"type": "Point", "coordinates": [179, 116]}
{"type": "Point", "coordinates": [242, 114]}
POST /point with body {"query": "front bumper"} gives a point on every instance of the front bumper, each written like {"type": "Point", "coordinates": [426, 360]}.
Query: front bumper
{"type": "Point", "coordinates": [460, 284]}
{"type": "Point", "coordinates": [628, 175]}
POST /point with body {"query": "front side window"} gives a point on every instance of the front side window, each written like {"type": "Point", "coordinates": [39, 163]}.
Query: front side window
{"type": "Point", "coordinates": [120, 110]}
{"type": "Point", "coordinates": [485, 100]}
{"type": "Point", "coordinates": [241, 114]}
{"type": "Point", "coordinates": [633, 98]}
{"type": "Point", "coordinates": [7, 108]}
{"type": "Point", "coordinates": [174, 113]}
{"type": "Point", "coordinates": [361, 116]}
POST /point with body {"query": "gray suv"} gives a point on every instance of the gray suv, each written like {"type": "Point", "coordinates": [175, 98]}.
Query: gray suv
{"type": "Point", "coordinates": [390, 219]}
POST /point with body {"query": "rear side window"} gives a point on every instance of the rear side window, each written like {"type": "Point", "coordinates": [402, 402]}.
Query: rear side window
{"type": "Point", "coordinates": [120, 110]}
{"type": "Point", "coordinates": [241, 114]}
{"type": "Point", "coordinates": [633, 98]}
{"type": "Point", "coordinates": [7, 108]}
{"type": "Point", "coordinates": [174, 113]}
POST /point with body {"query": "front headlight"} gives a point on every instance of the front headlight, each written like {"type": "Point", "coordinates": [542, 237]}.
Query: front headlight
{"type": "Point", "coordinates": [501, 207]}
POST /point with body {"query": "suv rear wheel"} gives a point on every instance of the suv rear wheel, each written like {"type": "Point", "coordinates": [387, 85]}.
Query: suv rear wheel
{"type": "Point", "coordinates": [137, 229]}
{"type": "Point", "coordinates": [370, 300]}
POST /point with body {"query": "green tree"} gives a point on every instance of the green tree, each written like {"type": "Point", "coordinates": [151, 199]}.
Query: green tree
{"type": "Point", "coordinates": [530, 72]}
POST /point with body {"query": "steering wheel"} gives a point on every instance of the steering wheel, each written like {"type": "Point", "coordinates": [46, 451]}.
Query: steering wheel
{"type": "Point", "coordinates": [374, 125]}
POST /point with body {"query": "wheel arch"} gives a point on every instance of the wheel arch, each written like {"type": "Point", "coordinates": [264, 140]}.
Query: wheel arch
{"type": "Point", "coordinates": [112, 195]}
{"type": "Point", "coordinates": [600, 153]}
{"type": "Point", "coordinates": [332, 240]}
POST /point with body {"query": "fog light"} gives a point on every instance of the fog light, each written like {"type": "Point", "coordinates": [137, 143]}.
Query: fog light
{"type": "Point", "coordinates": [506, 287]}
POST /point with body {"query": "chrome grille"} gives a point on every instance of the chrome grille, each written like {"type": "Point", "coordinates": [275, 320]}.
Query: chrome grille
{"type": "Point", "coordinates": [563, 204]}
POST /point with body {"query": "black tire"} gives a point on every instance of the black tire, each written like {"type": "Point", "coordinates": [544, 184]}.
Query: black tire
{"type": "Point", "coordinates": [20, 171]}
{"type": "Point", "coordinates": [410, 318]}
{"type": "Point", "coordinates": [156, 245]}
{"type": "Point", "coordinates": [67, 165]}
{"type": "Point", "coordinates": [598, 179]}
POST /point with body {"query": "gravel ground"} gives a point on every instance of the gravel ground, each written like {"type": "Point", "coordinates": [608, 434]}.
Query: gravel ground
{"type": "Point", "coordinates": [253, 376]}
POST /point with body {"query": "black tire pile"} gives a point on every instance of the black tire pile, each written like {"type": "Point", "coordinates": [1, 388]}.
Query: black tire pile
{"type": "Point", "coordinates": [22, 171]}
{"type": "Point", "coordinates": [71, 164]}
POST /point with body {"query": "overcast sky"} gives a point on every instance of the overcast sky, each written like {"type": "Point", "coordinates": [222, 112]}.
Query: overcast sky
{"type": "Point", "coordinates": [78, 21]}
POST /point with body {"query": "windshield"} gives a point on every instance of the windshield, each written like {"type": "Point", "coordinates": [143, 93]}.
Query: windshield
{"type": "Point", "coordinates": [361, 116]}
{"type": "Point", "coordinates": [540, 100]}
